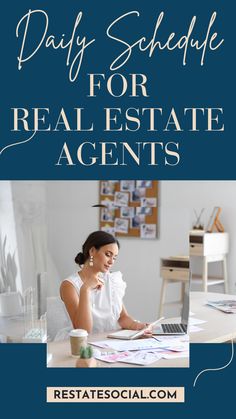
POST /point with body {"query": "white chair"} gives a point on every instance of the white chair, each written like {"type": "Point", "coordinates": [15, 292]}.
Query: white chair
{"type": "Point", "coordinates": [57, 318]}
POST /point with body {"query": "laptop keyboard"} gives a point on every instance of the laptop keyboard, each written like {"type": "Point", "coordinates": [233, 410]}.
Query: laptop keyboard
{"type": "Point", "coordinates": [174, 328]}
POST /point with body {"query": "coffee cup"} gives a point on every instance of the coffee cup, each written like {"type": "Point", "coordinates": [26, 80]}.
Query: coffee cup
{"type": "Point", "coordinates": [78, 338]}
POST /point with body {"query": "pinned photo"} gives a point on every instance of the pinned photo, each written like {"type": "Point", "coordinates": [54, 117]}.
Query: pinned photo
{"type": "Point", "coordinates": [137, 194]}
{"type": "Point", "coordinates": [143, 210]}
{"type": "Point", "coordinates": [127, 185]}
{"type": "Point", "coordinates": [107, 214]}
{"type": "Point", "coordinates": [137, 220]}
{"type": "Point", "coordinates": [127, 212]}
{"type": "Point", "coordinates": [121, 199]}
{"type": "Point", "coordinates": [107, 188]}
{"type": "Point", "coordinates": [108, 203]}
{"type": "Point", "coordinates": [108, 229]}
{"type": "Point", "coordinates": [143, 184]}
{"type": "Point", "coordinates": [148, 202]}
{"type": "Point", "coordinates": [148, 231]}
{"type": "Point", "coordinates": [121, 225]}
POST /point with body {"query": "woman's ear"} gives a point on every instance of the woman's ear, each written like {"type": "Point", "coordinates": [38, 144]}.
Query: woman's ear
{"type": "Point", "coordinates": [92, 251]}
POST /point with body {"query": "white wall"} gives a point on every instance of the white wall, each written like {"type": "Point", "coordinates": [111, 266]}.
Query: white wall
{"type": "Point", "coordinates": [22, 221]}
{"type": "Point", "coordinates": [8, 233]}
{"type": "Point", "coordinates": [29, 209]}
{"type": "Point", "coordinates": [71, 218]}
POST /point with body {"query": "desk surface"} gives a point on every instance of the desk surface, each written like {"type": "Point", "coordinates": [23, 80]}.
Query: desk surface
{"type": "Point", "coordinates": [61, 357]}
{"type": "Point", "coordinates": [220, 327]}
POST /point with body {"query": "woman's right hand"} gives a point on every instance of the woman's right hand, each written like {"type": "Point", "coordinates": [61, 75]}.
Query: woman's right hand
{"type": "Point", "coordinates": [93, 282]}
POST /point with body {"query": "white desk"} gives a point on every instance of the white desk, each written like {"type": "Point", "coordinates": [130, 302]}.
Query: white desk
{"type": "Point", "coordinates": [61, 357]}
{"type": "Point", "coordinates": [14, 328]}
{"type": "Point", "coordinates": [220, 327]}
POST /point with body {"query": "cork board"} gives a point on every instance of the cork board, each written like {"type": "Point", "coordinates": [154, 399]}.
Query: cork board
{"type": "Point", "coordinates": [129, 208]}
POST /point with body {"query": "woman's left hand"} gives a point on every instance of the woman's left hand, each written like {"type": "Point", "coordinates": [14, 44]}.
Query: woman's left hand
{"type": "Point", "coordinates": [147, 333]}
{"type": "Point", "coordinates": [139, 325]}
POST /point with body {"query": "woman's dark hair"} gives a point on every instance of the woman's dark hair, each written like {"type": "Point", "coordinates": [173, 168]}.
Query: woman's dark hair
{"type": "Point", "coordinates": [96, 239]}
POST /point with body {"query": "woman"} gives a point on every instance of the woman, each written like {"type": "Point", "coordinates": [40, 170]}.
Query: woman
{"type": "Point", "coordinates": [93, 296]}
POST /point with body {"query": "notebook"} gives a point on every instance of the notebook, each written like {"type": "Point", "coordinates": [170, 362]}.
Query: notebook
{"type": "Point", "coordinates": [132, 334]}
{"type": "Point", "coordinates": [126, 334]}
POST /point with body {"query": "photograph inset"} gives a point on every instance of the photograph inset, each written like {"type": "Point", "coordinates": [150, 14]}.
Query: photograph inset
{"type": "Point", "coordinates": [96, 282]}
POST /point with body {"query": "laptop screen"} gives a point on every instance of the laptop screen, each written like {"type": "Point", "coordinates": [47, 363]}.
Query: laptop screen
{"type": "Point", "coordinates": [185, 309]}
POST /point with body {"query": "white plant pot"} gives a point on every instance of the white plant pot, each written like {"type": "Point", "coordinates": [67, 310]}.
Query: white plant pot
{"type": "Point", "coordinates": [11, 304]}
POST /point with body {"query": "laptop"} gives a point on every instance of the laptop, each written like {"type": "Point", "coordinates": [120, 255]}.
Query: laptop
{"type": "Point", "coordinates": [177, 328]}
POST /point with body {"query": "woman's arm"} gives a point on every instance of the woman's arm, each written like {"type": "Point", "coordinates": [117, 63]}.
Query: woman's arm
{"type": "Point", "coordinates": [78, 306]}
{"type": "Point", "coordinates": [126, 322]}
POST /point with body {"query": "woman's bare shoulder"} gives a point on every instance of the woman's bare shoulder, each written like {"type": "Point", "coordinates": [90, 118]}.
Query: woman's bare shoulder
{"type": "Point", "coordinates": [66, 287]}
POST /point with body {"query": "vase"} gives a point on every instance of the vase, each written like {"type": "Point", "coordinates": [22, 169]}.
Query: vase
{"type": "Point", "coordinates": [11, 304]}
{"type": "Point", "coordinates": [86, 363]}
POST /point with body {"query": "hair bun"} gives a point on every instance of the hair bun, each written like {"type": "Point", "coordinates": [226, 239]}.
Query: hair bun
{"type": "Point", "coordinates": [79, 259]}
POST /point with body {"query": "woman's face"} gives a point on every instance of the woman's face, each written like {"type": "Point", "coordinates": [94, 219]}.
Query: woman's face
{"type": "Point", "coordinates": [104, 257]}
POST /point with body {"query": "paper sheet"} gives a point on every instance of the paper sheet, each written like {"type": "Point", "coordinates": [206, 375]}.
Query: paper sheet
{"type": "Point", "coordinates": [172, 338]}
{"type": "Point", "coordinates": [138, 358]}
{"type": "Point", "coordinates": [143, 351]}
{"type": "Point", "coordinates": [113, 357]}
{"type": "Point", "coordinates": [193, 321]}
{"type": "Point", "coordinates": [194, 329]}
{"type": "Point", "coordinates": [142, 358]}
{"type": "Point", "coordinates": [128, 345]}
{"type": "Point", "coordinates": [175, 355]}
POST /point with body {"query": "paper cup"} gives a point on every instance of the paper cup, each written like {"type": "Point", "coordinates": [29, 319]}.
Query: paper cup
{"type": "Point", "coordinates": [78, 338]}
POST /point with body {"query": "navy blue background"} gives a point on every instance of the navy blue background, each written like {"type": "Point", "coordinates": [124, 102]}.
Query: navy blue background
{"type": "Point", "coordinates": [25, 378]}
{"type": "Point", "coordinates": [43, 82]}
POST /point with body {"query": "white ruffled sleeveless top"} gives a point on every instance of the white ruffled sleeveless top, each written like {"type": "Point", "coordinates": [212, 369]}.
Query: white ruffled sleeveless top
{"type": "Point", "coordinates": [106, 303]}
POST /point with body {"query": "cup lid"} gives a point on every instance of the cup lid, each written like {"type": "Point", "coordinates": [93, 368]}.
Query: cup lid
{"type": "Point", "coordinates": [78, 333]}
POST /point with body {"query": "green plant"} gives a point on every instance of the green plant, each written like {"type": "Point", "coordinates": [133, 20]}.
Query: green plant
{"type": "Point", "coordinates": [86, 352]}
{"type": "Point", "coordinates": [8, 270]}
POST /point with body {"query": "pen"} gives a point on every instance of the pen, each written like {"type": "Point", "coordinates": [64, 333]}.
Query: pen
{"type": "Point", "coordinates": [153, 324]}
{"type": "Point", "coordinates": [142, 331]}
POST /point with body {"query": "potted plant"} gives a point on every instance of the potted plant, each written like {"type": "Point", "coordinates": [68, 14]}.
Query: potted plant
{"type": "Point", "coordinates": [10, 298]}
{"type": "Point", "coordinates": [86, 359]}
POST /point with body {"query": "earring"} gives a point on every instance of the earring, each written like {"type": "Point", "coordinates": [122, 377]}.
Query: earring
{"type": "Point", "coordinates": [91, 261]}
